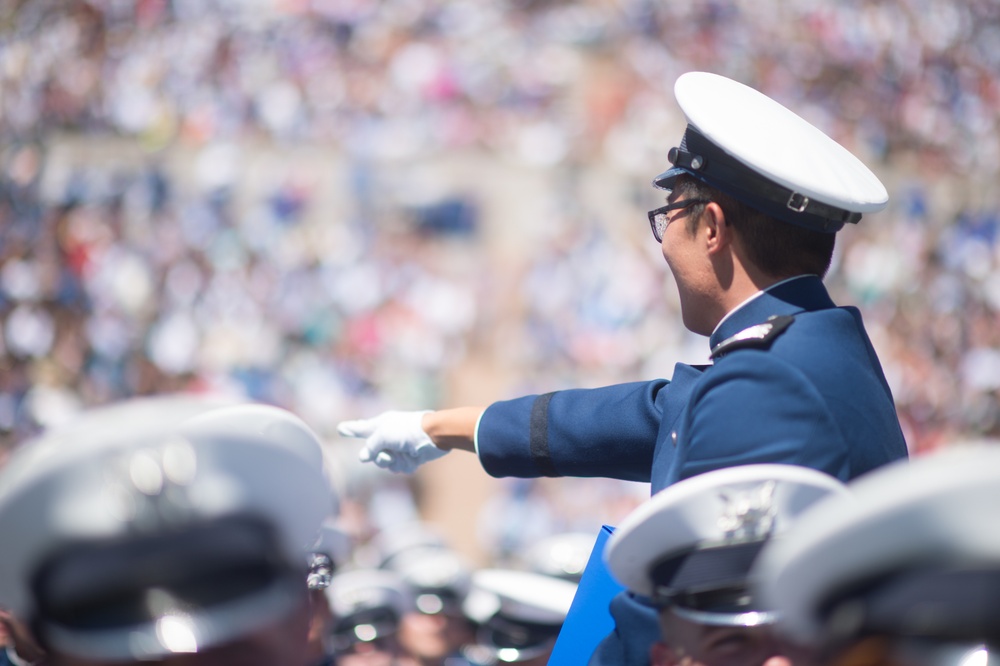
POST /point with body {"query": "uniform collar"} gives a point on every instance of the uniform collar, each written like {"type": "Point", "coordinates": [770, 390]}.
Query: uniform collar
{"type": "Point", "coordinates": [788, 297]}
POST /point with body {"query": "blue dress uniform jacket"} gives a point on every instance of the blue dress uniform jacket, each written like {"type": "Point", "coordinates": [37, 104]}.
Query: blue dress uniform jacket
{"type": "Point", "coordinates": [812, 393]}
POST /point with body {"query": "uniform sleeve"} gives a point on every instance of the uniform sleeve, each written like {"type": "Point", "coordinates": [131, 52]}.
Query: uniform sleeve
{"type": "Point", "coordinates": [756, 408]}
{"type": "Point", "coordinates": [607, 432]}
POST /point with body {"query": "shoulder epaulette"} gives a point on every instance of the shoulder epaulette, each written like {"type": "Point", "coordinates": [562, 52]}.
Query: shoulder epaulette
{"type": "Point", "coordinates": [758, 336]}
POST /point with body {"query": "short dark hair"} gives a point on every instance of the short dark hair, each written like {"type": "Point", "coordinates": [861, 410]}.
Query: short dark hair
{"type": "Point", "coordinates": [777, 248]}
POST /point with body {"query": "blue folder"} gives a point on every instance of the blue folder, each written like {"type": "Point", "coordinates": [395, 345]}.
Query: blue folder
{"type": "Point", "coordinates": [589, 620]}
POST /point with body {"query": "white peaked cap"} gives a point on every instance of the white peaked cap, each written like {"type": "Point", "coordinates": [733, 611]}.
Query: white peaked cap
{"type": "Point", "coordinates": [914, 550]}
{"type": "Point", "coordinates": [760, 152]}
{"type": "Point", "coordinates": [149, 469]}
{"type": "Point", "coordinates": [564, 555]}
{"type": "Point", "coordinates": [702, 534]}
{"type": "Point", "coordinates": [521, 595]}
{"type": "Point", "coordinates": [519, 613]}
{"type": "Point", "coordinates": [356, 591]}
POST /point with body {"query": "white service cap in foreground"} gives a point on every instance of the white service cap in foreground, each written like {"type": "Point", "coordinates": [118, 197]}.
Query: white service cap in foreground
{"type": "Point", "coordinates": [692, 544]}
{"type": "Point", "coordinates": [914, 551]}
{"type": "Point", "coordinates": [160, 525]}
{"type": "Point", "coordinates": [765, 155]}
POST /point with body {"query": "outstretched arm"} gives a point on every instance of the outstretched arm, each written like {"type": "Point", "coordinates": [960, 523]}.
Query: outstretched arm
{"type": "Point", "coordinates": [609, 431]}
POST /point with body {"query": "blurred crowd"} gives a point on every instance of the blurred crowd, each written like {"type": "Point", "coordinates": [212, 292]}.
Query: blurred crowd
{"type": "Point", "coordinates": [407, 597]}
{"type": "Point", "coordinates": [124, 276]}
{"type": "Point", "coordinates": [548, 78]}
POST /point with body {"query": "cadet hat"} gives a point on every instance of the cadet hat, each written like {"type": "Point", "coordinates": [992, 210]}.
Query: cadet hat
{"type": "Point", "coordinates": [691, 546]}
{"type": "Point", "coordinates": [159, 526]}
{"type": "Point", "coordinates": [440, 578]}
{"type": "Point", "coordinates": [367, 605]}
{"type": "Point", "coordinates": [915, 551]}
{"type": "Point", "coordinates": [749, 146]}
{"type": "Point", "coordinates": [563, 555]}
{"type": "Point", "coordinates": [518, 613]}
{"type": "Point", "coordinates": [401, 539]}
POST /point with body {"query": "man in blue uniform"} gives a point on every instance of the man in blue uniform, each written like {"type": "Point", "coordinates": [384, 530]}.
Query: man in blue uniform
{"type": "Point", "coordinates": [755, 196]}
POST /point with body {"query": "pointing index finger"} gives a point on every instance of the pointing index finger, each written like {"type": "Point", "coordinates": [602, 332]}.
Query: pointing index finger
{"type": "Point", "coordinates": [357, 428]}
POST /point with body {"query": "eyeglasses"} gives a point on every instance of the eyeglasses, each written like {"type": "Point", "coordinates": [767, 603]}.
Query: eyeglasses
{"type": "Point", "coordinates": [659, 220]}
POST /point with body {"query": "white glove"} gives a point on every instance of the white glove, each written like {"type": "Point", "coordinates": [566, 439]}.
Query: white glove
{"type": "Point", "coordinates": [393, 440]}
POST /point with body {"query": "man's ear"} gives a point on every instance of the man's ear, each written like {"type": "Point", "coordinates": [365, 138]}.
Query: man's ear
{"type": "Point", "coordinates": [718, 233]}
{"type": "Point", "coordinates": [660, 654]}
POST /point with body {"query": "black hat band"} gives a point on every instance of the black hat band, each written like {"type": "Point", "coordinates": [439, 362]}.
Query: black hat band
{"type": "Point", "coordinates": [706, 161]}
{"type": "Point", "coordinates": [707, 579]}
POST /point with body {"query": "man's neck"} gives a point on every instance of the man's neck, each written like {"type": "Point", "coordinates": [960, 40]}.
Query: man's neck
{"type": "Point", "coordinates": [737, 300]}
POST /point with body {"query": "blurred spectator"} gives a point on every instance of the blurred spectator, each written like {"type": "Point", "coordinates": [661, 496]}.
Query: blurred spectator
{"type": "Point", "coordinates": [518, 614]}
{"type": "Point", "coordinates": [367, 607]}
{"type": "Point", "coordinates": [435, 631]}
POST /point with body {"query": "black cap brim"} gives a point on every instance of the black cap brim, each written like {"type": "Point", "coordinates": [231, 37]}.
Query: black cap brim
{"type": "Point", "coordinates": [666, 180]}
